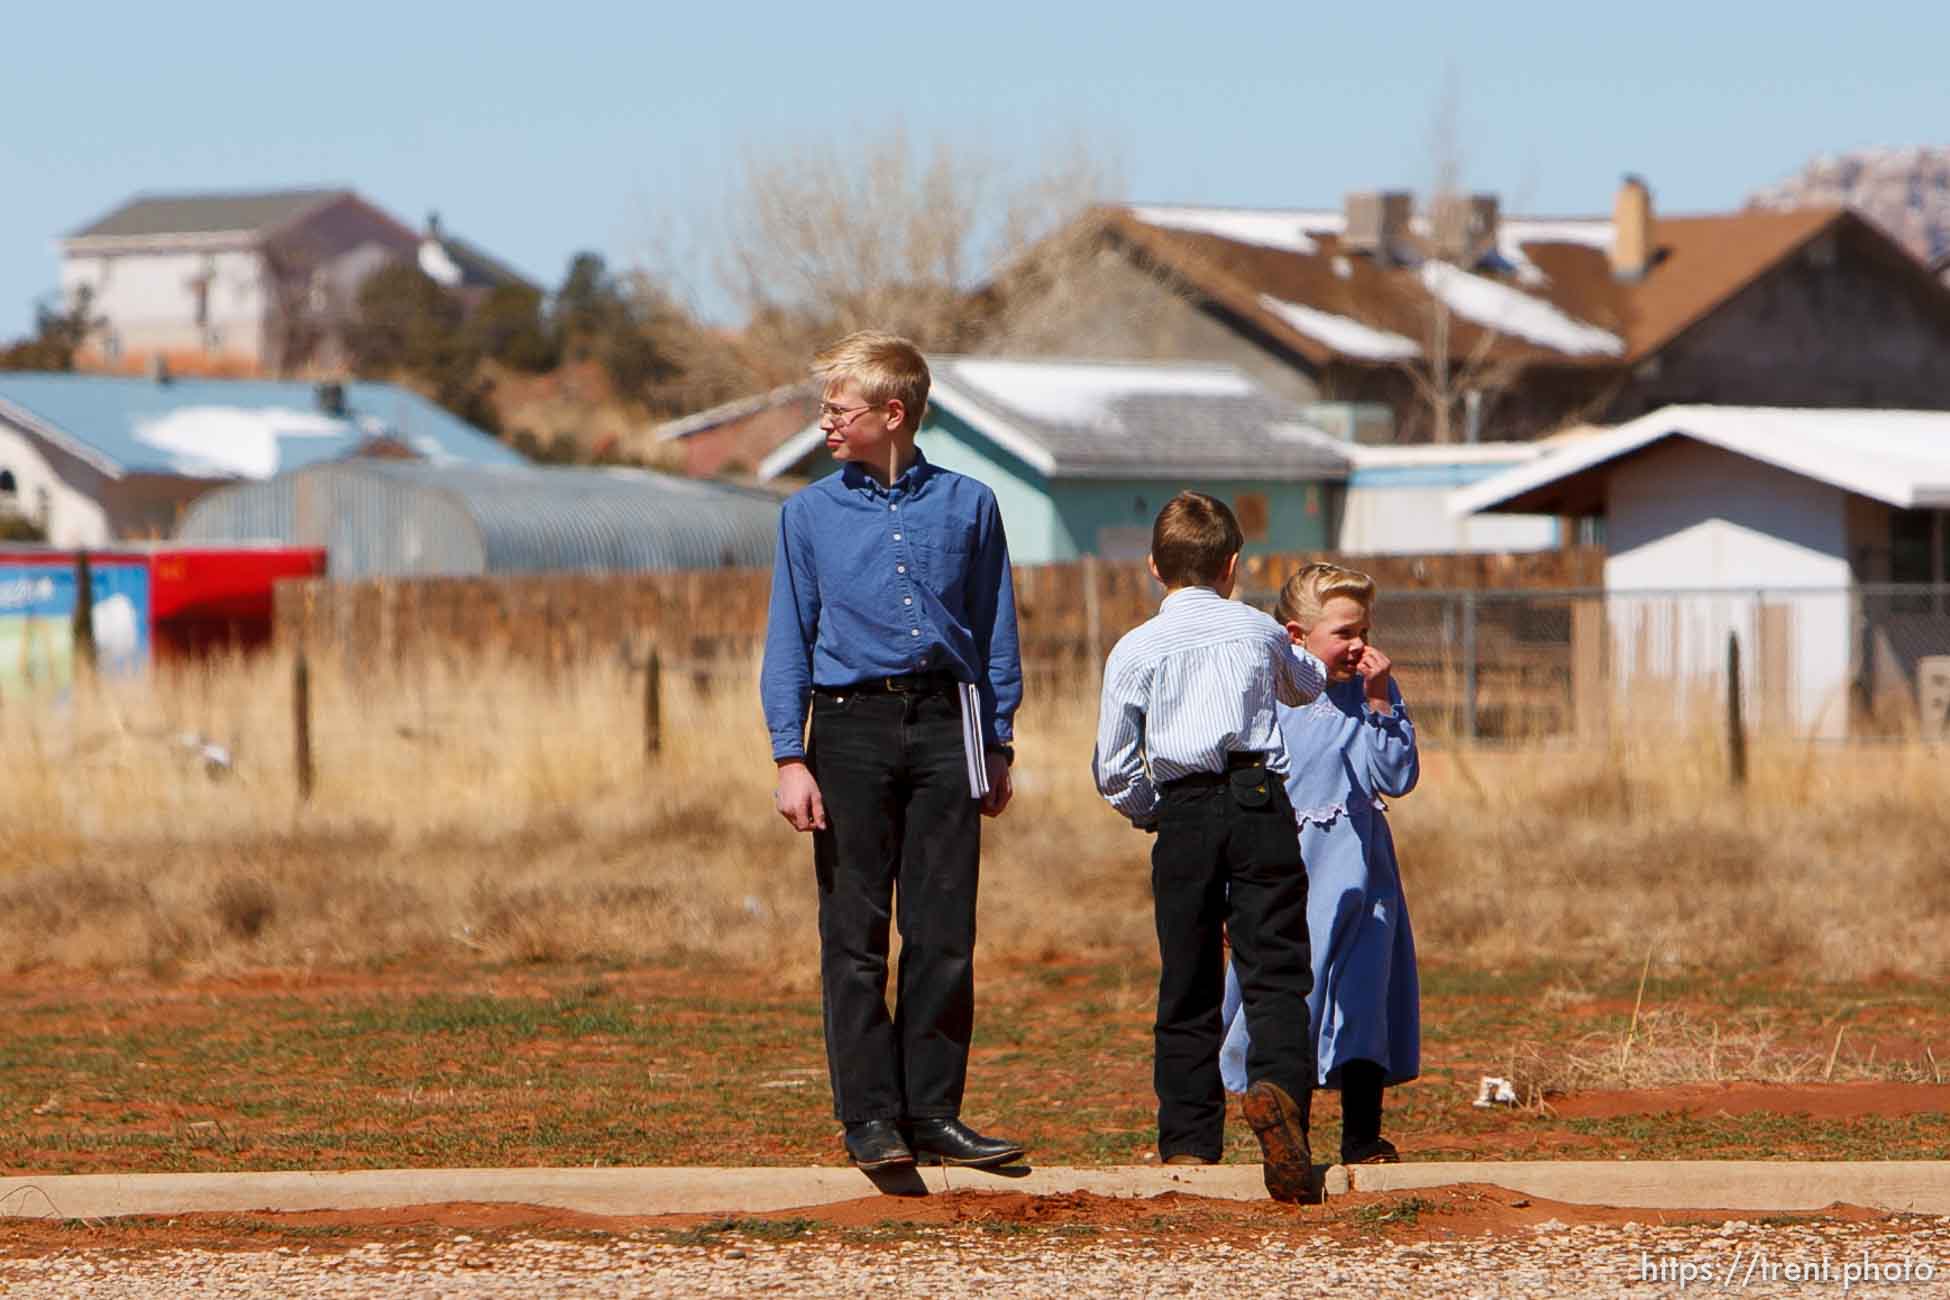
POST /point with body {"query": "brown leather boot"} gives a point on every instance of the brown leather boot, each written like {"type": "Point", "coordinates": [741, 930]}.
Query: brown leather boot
{"type": "Point", "coordinates": [1280, 1126]}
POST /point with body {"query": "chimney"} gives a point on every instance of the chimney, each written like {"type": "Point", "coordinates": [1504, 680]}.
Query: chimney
{"type": "Point", "coordinates": [331, 399]}
{"type": "Point", "coordinates": [1377, 223]}
{"type": "Point", "coordinates": [1464, 227]}
{"type": "Point", "coordinates": [433, 225]}
{"type": "Point", "coordinates": [1633, 234]}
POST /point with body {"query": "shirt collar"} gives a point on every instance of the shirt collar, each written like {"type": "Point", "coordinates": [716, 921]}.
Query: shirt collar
{"type": "Point", "coordinates": [855, 476]}
{"type": "Point", "coordinates": [1190, 596]}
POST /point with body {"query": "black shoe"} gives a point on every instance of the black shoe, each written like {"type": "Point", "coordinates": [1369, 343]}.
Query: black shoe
{"type": "Point", "coordinates": [951, 1142]}
{"type": "Point", "coordinates": [1378, 1152]}
{"type": "Point", "coordinates": [876, 1144]}
{"type": "Point", "coordinates": [1280, 1126]}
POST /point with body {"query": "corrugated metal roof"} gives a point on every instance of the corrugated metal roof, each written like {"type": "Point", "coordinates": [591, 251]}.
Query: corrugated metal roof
{"type": "Point", "coordinates": [400, 518]}
{"type": "Point", "coordinates": [228, 428]}
{"type": "Point", "coordinates": [203, 214]}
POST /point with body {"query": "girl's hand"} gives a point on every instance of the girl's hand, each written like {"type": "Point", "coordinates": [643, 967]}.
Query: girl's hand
{"type": "Point", "coordinates": [1375, 668]}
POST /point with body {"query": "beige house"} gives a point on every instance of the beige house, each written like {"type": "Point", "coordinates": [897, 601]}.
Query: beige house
{"type": "Point", "coordinates": [245, 283]}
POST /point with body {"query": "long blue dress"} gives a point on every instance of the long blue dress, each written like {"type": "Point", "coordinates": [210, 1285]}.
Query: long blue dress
{"type": "Point", "coordinates": [1342, 758]}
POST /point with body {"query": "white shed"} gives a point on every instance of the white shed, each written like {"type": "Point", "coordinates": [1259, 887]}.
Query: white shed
{"type": "Point", "coordinates": [1785, 526]}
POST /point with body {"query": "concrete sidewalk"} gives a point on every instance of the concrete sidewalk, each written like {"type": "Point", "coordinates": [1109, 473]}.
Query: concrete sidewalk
{"type": "Point", "coordinates": [1750, 1186]}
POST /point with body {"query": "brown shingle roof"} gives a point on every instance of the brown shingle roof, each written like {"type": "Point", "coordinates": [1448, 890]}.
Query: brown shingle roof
{"type": "Point", "coordinates": [1702, 262]}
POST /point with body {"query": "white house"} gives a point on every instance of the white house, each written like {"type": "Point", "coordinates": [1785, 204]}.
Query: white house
{"type": "Point", "coordinates": [242, 283]}
{"type": "Point", "coordinates": [1783, 526]}
{"type": "Point", "coordinates": [92, 459]}
{"type": "Point", "coordinates": [1398, 496]}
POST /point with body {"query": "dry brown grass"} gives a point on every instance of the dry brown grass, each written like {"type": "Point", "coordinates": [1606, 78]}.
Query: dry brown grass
{"type": "Point", "coordinates": [500, 813]}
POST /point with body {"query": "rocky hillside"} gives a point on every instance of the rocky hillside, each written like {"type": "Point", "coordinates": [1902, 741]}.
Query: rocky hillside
{"type": "Point", "coordinates": [1906, 190]}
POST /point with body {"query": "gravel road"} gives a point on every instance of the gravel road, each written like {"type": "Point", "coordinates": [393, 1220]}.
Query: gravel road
{"type": "Point", "coordinates": [1904, 1257]}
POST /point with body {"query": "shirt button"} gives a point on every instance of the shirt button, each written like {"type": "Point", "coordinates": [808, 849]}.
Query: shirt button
{"type": "Point", "coordinates": [897, 537]}
{"type": "Point", "coordinates": [914, 631]}
{"type": "Point", "coordinates": [907, 600]}
{"type": "Point", "coordinates": [895, 507]}
{"type": "Point", "coordinates": [900, 568]}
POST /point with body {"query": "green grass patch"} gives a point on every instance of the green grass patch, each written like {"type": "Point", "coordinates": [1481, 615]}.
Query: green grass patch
{"type": "Point", "coordinates": [1404, 1212]}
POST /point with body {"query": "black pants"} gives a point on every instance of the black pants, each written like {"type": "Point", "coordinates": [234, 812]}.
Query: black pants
{"type": "Point", "coordinates": [902, 828]}
{"type": "Point", "coordinates": [1217, 864]}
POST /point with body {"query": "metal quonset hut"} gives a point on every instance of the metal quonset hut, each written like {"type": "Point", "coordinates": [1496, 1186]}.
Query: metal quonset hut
{"type": "Point", "coordinates": [386, 518]}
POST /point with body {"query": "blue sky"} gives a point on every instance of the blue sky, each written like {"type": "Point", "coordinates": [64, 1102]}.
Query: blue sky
{"type": "Point", "coordinates": [537, 130]}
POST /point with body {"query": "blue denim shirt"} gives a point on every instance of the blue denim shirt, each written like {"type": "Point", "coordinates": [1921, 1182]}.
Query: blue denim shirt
{"type": "Point", "coordinates": [871, 581]}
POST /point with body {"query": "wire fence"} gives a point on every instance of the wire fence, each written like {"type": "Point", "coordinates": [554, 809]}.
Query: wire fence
{"type": "Point", "coordinates": [1865, 661]}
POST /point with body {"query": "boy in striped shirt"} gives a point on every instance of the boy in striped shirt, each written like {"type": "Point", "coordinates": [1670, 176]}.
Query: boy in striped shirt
{"type": "Point", "coordinates": [1188, 745]}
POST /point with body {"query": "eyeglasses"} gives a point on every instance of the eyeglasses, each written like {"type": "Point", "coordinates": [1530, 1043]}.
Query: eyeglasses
{"type": "Point", "coordinates": [841, 416]}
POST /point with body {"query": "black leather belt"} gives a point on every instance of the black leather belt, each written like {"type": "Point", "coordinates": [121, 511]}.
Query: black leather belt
{"type": "Point", "coordinates": [911, 684]}
{"type": "Point", "coordinates": [1236, 761]}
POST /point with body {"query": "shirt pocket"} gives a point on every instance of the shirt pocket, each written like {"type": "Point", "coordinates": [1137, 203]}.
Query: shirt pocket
{"type": "Point", "coordinates": [944, 553]}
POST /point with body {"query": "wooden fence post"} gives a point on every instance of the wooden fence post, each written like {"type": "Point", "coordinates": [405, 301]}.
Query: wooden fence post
{"type": "Point", "coordinates": [1093, 615]}
{"type": "Point", "coordinates": [653, 704]}
{"type": "Point", "coordinates": [301, 723]}
{"type": "Point", "coordinates": [1736, 730]}
{"type": "Point", "coordinates": [84, 615]}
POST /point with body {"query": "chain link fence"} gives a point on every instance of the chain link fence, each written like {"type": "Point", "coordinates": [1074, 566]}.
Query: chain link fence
{"type": "Point", "coordinates": [1515, 666]}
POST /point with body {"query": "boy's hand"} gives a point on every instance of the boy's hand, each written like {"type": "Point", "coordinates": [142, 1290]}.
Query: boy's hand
{"type": "Point", "coordinates": [798, 798]}
{"type": "Point", "coordinates": [1001, 788]}
{"type": "Point", "coordinates": [1375, 668]}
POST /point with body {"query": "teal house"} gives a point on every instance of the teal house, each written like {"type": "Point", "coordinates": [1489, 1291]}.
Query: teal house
{"type": "Point", "coordinates": [1081, 454]}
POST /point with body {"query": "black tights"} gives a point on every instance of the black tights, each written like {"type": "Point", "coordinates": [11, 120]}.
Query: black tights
{"type": "Point", "coordinates": [1360, 1106]}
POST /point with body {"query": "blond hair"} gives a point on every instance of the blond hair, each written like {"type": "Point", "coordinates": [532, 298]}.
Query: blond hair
{"type": "Point", "coordinates": [1306, 593]}
{"type": "Point", "coordinates": [1192, 538]}
{"type": "Point", "coordinates": [885, 366]}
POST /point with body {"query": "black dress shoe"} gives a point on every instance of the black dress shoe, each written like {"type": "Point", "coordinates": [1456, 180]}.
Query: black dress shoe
{"type": "Point", "coordinates": [951, 1142]}
{"type": "Point", "coordinates": [877, 1144]}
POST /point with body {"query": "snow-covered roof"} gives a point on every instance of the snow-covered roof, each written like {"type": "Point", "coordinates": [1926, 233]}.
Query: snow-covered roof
{"type": "Point", "coordinates": [1901, 458]}
{"type": "Point", "coordinates": [1294, 230]}
{"type": "Point", "coordinates": [1284, 229]}
{"type": "Point", "coordinates": [1343, 333]}
{"type": "Point", "coordinates": [225, 428]}
{"type": "Point", "coordinates": [1114, 419]}
{"type": "Point", "coordinates": [1511, 311]}
{"type": "Point", "coordinates": [1544, 295]}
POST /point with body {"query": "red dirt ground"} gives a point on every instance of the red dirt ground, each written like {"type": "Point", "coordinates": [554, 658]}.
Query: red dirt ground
{"type": "Point", "coordinates": [1165, 1222]}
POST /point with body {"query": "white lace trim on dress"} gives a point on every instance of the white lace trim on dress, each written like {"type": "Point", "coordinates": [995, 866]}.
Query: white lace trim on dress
{"type": "Point", "coordinates": [1323, 815]}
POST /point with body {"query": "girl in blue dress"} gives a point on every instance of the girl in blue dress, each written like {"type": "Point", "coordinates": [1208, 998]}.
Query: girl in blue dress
{"type": "Point", "coordinates": [1346, 751]}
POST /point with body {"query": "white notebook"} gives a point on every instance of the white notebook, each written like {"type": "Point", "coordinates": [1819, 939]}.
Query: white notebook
{"type": "Point", "coordinates": [972, 747]}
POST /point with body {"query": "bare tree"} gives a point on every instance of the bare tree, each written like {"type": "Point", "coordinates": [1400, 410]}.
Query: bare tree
{"type": "Point", "coordinates": [886, 234]}
{"type": "Point", "coordinates": [300, 315]}
{"type": "Point", "coordinates": [1451, 245]}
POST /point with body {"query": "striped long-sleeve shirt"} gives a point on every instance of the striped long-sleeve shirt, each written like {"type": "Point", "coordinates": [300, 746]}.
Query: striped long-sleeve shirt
{"type": "Point", "coordinates": [1196, 682]}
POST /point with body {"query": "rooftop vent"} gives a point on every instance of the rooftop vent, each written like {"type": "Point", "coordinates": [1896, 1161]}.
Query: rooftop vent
{"type": "Point", "coordinates": [1464, 227]}
{"type": "Point", "coordinates": [1377, 223]}
{"type": "Point", "coordinates": [331, 398]}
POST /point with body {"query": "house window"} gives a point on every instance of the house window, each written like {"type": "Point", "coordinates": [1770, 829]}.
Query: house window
{"type": "Point", "coordinates": [1919, 553]}
{"type": "Point", "coordinates": [8, 487]}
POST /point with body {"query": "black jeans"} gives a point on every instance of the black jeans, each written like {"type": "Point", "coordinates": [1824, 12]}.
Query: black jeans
{"type": "Point", "coordinates": [1217, 864]}
{"type": "Point", "coordinates": [902, 828]}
